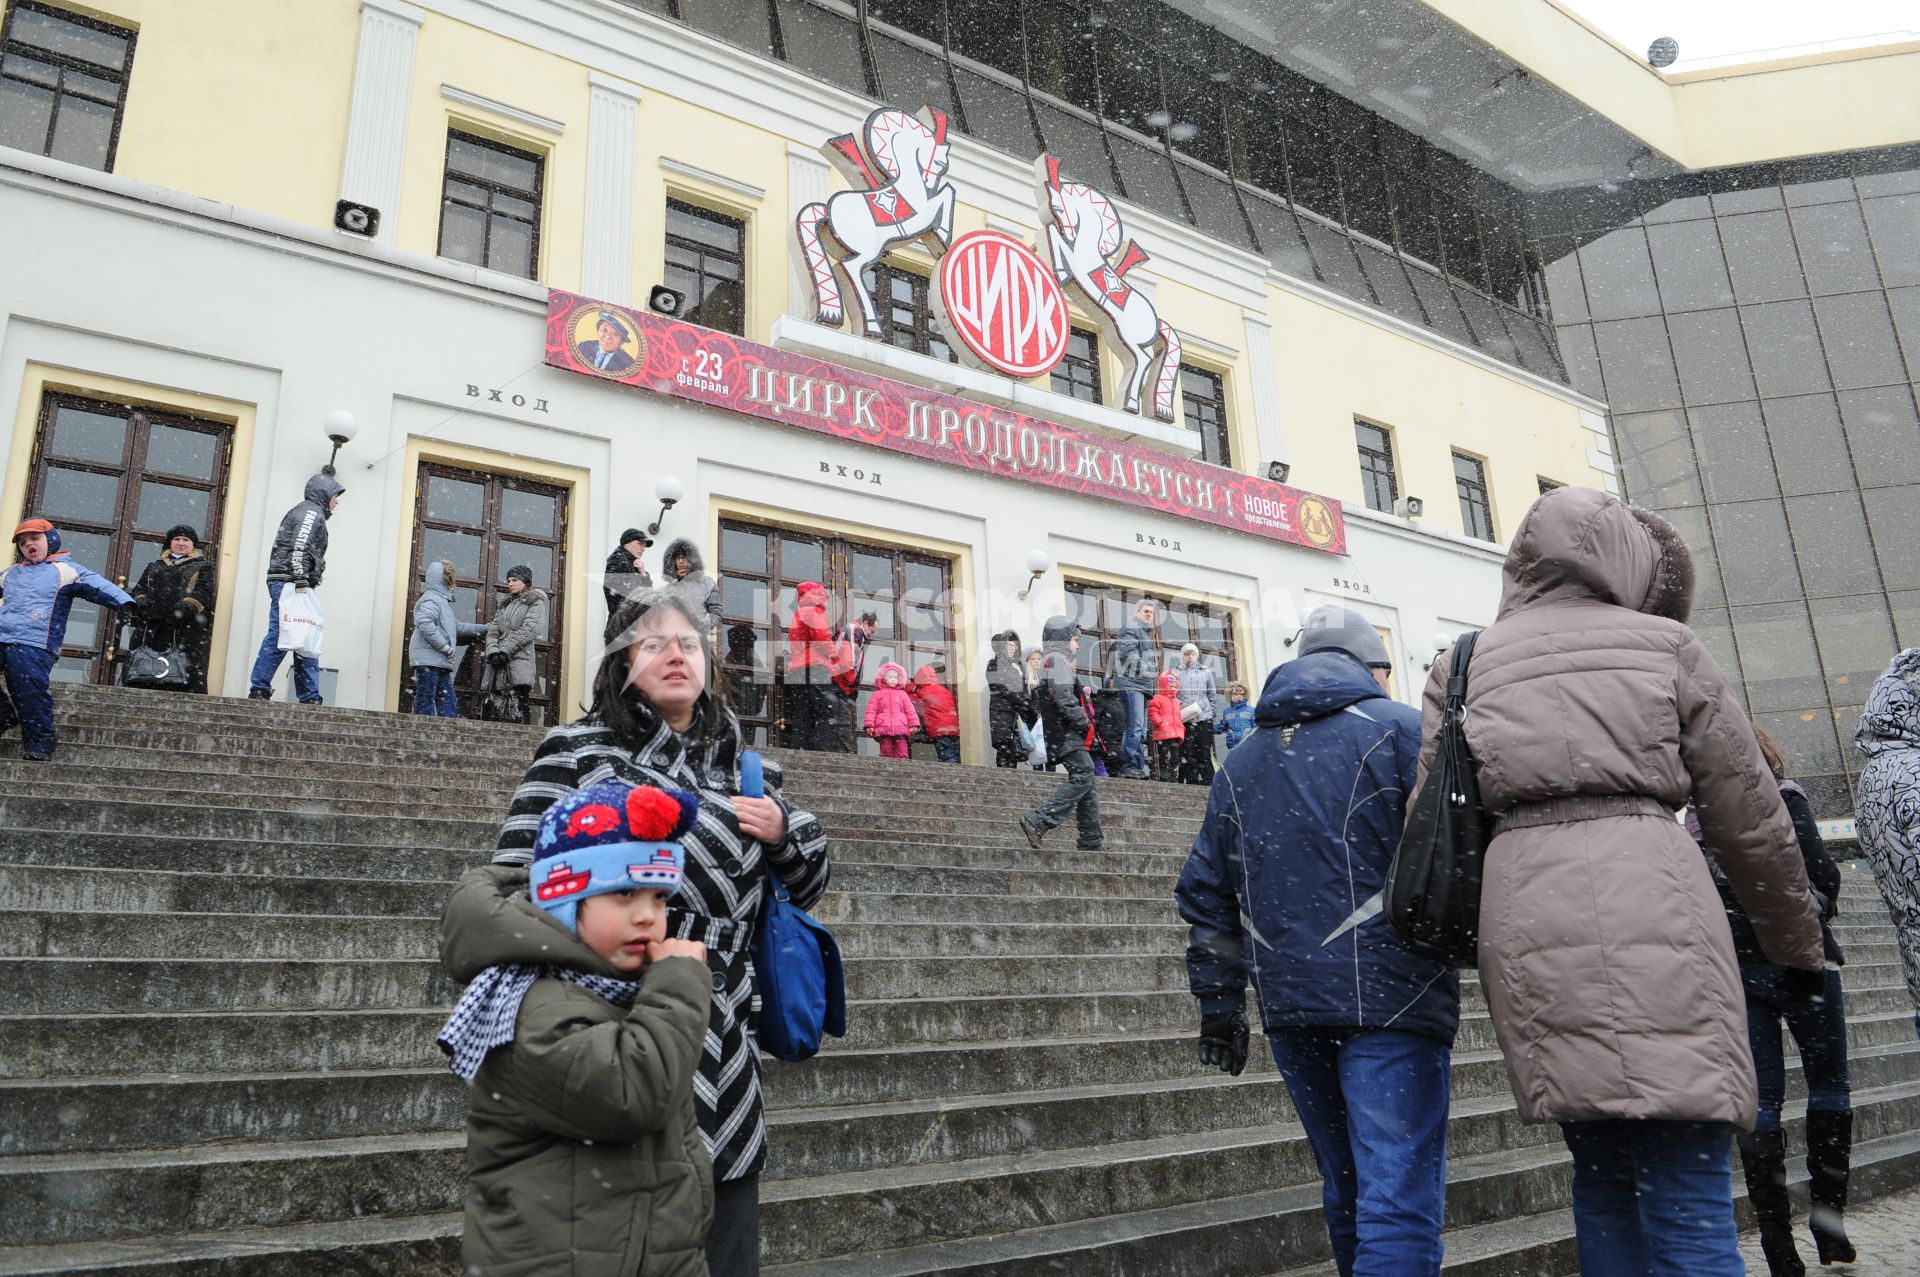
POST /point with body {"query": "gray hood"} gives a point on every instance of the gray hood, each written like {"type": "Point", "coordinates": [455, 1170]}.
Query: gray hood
{"type": "Point", "coordinates": [437, 579]}
{"type": "Point", "coordinates": [321, 489]}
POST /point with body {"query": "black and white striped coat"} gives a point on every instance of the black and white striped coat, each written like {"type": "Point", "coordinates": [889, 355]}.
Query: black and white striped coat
{"type": "Point", "coordinates": [718, 903]}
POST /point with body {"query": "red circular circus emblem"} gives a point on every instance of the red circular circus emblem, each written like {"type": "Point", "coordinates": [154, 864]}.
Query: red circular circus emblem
{"type": "Point", "coordinates": [1002, 304]}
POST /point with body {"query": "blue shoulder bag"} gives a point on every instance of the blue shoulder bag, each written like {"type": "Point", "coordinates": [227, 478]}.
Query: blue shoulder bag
{"type": "Point", "coordinates": [796, 963]}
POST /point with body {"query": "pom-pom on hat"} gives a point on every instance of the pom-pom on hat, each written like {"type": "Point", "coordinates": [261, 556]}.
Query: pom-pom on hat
{"type": "Point", "coordinates": [612, 836]}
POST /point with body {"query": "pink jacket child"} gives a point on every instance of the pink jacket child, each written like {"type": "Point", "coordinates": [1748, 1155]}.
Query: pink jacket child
{"type": "Point", "coordinates": [1163, 710]}
{"type": "Point", "coordinates": [891, 718]}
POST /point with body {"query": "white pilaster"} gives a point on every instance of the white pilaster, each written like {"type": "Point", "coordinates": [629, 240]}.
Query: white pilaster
{"type": "Point", "coordinates": [806, 184]}
{"type": "Point", "coordinates": [377, 119]}
{"type": "Point", "coordinates": [613, 127]}
{"type": "Point", "coordinates": [1264, 376]}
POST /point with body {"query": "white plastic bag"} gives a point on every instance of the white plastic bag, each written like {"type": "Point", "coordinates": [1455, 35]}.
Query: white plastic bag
{"type": "Point", "coordinates": [1035, 738]}
{"type": "Point", "coordinates": [301, 625]}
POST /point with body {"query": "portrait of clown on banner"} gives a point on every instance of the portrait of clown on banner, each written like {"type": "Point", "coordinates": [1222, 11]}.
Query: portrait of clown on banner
{"type": "Point", "coordinates": [606, 342]}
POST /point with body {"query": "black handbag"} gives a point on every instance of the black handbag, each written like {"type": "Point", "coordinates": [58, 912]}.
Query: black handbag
{"type": "Point", "coordinates": [1433, 885]}
{"type": "Point", "coordinates": [154, 669]}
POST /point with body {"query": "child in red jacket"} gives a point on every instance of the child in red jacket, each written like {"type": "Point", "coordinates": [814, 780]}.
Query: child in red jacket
{"type": "Point", "coordinates": [1168, 730]}
{"type": "Point", "coordinates": [890, 715]}
{"type": "Point", "coordinates": [937, 713]}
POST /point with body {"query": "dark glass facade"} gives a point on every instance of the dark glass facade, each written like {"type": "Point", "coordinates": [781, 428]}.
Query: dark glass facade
{"type": "Point", "coordinates": [1756, 333]}
{"type": "Point", "coordinates": [1151, 104]}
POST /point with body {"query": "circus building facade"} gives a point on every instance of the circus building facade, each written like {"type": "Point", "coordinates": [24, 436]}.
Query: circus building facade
{"type": "Point", "coordinates": [973, 314]}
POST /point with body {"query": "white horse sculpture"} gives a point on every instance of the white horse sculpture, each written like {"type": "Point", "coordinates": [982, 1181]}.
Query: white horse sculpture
{"type": "Point", "coordinates": [1083, 232]}
{"type": "Point", "coordinates": [903, 169]}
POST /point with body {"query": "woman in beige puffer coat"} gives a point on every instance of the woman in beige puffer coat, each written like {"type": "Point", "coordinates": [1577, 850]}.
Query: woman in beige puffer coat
{"type": "Point", "coordinates": [1594, 714]}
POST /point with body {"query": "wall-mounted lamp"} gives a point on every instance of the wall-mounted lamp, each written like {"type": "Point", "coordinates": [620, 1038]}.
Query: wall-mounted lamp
{"type": "Point", "coordinates": [1409, 507]}
{"type": "Point", "coordinates": [1039, 563]}
{"type": "Point", "coordinates": [1441, 642]}
{"type": "Point", "coordinates": [666, 490]}
{"type": "Point", "coordinates": [341, 428]}
{"type": "Point", "coordinates": [1278, 471]}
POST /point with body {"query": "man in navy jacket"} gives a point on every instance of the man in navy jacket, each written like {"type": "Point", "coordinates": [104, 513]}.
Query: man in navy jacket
{"type": "Point", "coordinates": [1284, 886]}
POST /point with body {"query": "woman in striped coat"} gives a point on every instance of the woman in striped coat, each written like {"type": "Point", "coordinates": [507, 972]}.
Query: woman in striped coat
{"type": "Point", "coordinates": [658, 719]}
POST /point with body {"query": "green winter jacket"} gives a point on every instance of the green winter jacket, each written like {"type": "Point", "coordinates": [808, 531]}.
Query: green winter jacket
{"type": "Point", "coordinates": [583, 1156]}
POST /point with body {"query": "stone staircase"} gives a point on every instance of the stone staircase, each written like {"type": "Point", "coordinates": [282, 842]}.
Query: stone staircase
{"type": "Point", "coordinates": [218, 997]}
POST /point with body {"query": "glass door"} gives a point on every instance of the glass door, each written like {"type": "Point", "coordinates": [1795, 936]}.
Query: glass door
{"type": "Point", "coordinates": [762, 566]}
{"type": "Point", "coordinates": [114, 477]}
{"type": "Point", "coordinates": [486, 524]}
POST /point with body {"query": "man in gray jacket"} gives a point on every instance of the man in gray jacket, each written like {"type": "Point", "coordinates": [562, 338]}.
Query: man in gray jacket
{"type": "Point", "coordinates": [434, 647]}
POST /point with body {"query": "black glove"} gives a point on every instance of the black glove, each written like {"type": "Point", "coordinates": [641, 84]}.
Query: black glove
{"type": "Point", "coordinates": [1802, 985]}
{"type": "Point", "coordinates": [1223, 1041]}
{"type": "Point", "coordinates": [499, 660]}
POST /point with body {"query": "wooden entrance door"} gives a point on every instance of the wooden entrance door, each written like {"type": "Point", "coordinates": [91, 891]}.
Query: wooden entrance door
{"type": "Point", "coordinates": [487, 523]}
{"type": "Point", "coordinates": [762, 566]}
{"type": "Point", "coordinates": [114, 477]}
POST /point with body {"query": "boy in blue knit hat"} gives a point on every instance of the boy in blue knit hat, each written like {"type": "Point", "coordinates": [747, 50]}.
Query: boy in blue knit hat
{"type": "Point", "coordinates": [581, 1028]}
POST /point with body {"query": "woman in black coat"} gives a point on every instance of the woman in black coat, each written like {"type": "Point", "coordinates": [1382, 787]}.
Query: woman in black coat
{"type": "Point", "coordinates": [1819, 1029]}
{"type": "Point", "coordinates": [1009, 700]}
{"type": "Point", "coordinates": [659, 719]}
{"type": "Point", "coordinates": [174, 603]}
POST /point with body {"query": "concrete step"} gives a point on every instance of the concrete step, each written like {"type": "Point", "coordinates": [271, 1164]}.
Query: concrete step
{"type": "Point", "coordinates": [93, 934]}
{"type": "Point", "coordinates": [65, 1045]}
{"type": "Point", "coordinates": [253, 1184]}
{"type": "Point", "coordinates": [1051, 869]}
{"type": "Point", "coordinates": [61, 985]}
{"type": "Point", "coordinates": [141, 771]}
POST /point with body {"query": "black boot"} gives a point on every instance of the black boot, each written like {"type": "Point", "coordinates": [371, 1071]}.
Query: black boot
{"type": "Point", "coordinates": [1763, 1156]}
{"type": "Point", "coordinates": [1829, 1160]}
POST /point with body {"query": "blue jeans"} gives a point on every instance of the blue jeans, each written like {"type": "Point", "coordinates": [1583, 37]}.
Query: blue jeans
{"type": "Point", "coordinates": [1374, 1105]}
{"type": "Point", "coordinates": [947, 748]}
{"type": "Point", "coordinates": [1820, 1031]}
{"type": "Point", "coordinates": [29, 674]}
{"type": "Point", "coordinates": [1133, 745]}
{"type": "Point", "coordinates": [1653, 1198]}
{"type": "Point", "coordinates": [306, 669]}
{"type": "Point", "coordinates": [433, 692]}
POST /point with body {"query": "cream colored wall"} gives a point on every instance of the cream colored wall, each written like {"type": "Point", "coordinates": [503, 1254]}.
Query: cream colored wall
{"type": "Point", "coordinates": [263, 124]}
{"type": "Point", "coordinates": [1843, 101]}
{"type": "Point", "coordinates": [1334, 367]}
{"type": "Point", "coordinates": [300, 68]}
{"type": "Point", "coordinates": [496, 68]}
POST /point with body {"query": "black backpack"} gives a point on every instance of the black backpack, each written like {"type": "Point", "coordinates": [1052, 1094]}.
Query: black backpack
{"type": "Point", "coordinates": [1433, 885]}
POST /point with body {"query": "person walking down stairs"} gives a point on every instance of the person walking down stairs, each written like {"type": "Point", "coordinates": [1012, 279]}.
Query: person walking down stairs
{"type": "Point", "coordinates": [1283, 886]}
{"type": "Point", "coordinates": [656, 719]}
{"type": "Point", "coordinates": [1066, 725]}
{"type": "Point", "coordinates": [1819, 1027]}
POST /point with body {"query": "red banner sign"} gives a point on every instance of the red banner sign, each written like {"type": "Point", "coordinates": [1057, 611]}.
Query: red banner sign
{"type": "Point", "coordinates": [672, 357]}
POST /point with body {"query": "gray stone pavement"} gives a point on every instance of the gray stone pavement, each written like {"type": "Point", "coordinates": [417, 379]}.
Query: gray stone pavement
{"type": "Point", "coordinates": [1886, 1232]}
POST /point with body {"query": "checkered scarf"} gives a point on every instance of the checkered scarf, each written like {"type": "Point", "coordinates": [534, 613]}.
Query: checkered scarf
{"type": "Point", "coordinates": [485, 1015]}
